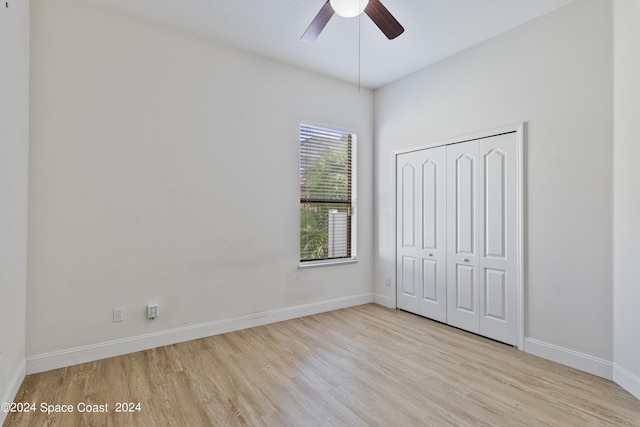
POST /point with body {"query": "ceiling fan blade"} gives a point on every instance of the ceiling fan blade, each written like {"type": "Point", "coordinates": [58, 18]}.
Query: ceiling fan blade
{"type": "Point", "coordinates": [318, 23]}
{"type": "Point", "coordinates": [381, 16]}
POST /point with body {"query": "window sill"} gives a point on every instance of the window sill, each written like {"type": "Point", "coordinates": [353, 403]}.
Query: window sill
{"type": "Point", "coordinates": [311, 264]}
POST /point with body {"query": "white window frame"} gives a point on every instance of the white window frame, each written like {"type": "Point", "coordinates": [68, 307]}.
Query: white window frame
{"type": "Point", "coordinates": [352, 257]}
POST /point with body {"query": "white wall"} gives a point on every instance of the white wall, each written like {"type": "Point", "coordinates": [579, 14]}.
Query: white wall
{"type": "Point", "coordinates": [164, 168]}
{"type": "Point", "coordinates": [14, 140]}
{"type": "Point", "coordinates": [626, 195]}
{"type": "Point", "coordinates": [555, 74]}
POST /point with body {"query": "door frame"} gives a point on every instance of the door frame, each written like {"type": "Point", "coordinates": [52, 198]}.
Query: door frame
{"type": "Point", "coordinates": [519, 130]}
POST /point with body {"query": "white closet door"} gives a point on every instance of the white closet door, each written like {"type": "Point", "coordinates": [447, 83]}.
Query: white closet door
{"type": "Point", "coordinates": [498, 216]}
{"type": "Point", "coordinates": [482, 203]}
{"type": "Point", "coordinates": [458, 244]}
{"type": "Point", "coordinates": [421, 233]}
{"type": "Point", "coordinates": [463, 301]}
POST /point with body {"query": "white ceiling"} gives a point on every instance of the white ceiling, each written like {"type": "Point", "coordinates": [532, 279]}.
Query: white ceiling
{"type": "Point", "coordinates": [434, 29]}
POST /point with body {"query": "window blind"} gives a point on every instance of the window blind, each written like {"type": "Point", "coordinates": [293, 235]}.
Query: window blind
{"type": "Point", "coordinates": [327, 194]}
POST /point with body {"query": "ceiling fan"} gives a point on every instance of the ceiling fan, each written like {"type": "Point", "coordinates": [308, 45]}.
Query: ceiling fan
{"type": "Point", "coordinates": [378, 13]}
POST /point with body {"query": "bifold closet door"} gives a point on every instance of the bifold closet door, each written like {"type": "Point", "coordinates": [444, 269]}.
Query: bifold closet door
{"type": "Point", "coordinates": [482, 243]}
{"type": "Point", "coordinates": [462, 236]}
{"type": "Point", "coordinates": [457, 243]}
{"type": "Point", "coordinates": [499, 250]}
{"type": "Point", "coordinates": [421, 232]}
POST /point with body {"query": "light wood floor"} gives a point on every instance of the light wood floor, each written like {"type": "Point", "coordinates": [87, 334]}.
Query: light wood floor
{"type": "Point", "coordinates": [362, 366]}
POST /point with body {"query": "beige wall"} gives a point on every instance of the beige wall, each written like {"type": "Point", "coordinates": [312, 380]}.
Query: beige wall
{"type": "Point", "coordinates": [555, 74]}
{"type": "Point", "coordinates": [14, 140]}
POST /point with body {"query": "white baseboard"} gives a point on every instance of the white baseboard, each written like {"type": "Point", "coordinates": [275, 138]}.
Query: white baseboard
{"type": "Point", "coordinates": [626, 380]}
{"type": "Point", "coordinates": [584, 362]}
{"type": "Point", "coordinates": [384, 300]}
{"type": "Point", "coordinates": [10, 394]}
{"type": "Point", "coordinates": [89, 353]}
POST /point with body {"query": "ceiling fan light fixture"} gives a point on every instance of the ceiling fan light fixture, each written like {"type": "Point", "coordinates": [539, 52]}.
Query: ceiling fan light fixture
{"type": "Point", "coordinates": [379, 14]}
{"type": "Point", "coordinates": [349, 8]}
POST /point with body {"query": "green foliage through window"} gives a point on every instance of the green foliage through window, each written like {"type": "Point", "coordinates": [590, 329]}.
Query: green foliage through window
{"type": "Point", "coordinates": [327, 194]}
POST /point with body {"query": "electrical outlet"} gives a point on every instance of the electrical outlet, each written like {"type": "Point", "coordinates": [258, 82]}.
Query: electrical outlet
{"type": "Point", "coordinates": [152, 311]}
{"type": "Point", "coordinates": [387, 281]}
{"type": "Point", "coordinates": [118, 314]}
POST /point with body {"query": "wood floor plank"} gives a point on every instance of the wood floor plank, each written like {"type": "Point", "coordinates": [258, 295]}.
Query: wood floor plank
{"type": "Point", "coordinates": [361, 366]}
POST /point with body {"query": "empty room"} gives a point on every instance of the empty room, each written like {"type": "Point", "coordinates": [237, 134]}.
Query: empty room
{"type": "Point", "coordinates": [319, 212]}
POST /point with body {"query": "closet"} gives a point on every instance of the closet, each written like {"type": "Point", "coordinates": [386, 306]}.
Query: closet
{"type": "Point", "coordinates": [458, 234]}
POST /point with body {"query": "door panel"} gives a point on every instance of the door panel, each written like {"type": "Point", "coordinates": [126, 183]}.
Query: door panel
{"type": "Point", "coordinates": [430, 204]}
{"type": "Point", "coordinates": [464, 203]}
{"type": "Point", "coordinates": [433, 253]}
{"type": "Point", "coordinates": [421, 189]}
{"type": "Point", "coordinates": [465, 289]}
{"type": "Point", "coordinates": [499, 171]}
{"type": "Point", "coordinates": [409, 276]}
{"type": "Point", "coordinates": [495, 303]}
{"type": "Point", "coordinates": [462, 191]}
{"type": "Point", "coordinates": [407, 252]}
{"type": "Point", "coordinates": [430, 280]}
{"type": "Point", "coordinates": [408, 205]}
{"type": "Point", "coordinates": [495, 203]}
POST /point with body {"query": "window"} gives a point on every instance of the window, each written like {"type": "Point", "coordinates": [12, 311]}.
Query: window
{"type": "Point", "coordinates": [327, 194]}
